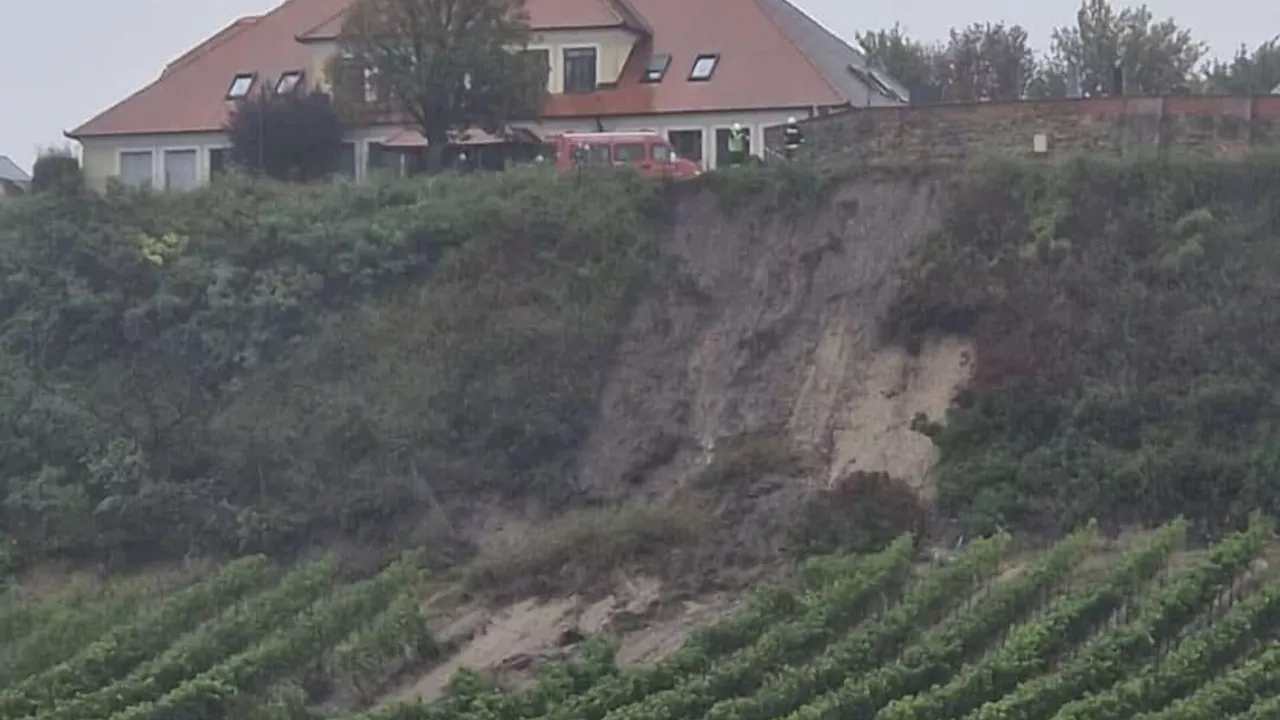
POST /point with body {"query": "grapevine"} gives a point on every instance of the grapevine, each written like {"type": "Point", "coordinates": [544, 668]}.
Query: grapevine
{"type": "Point", "coordinates": [207, 695]}
{"type": "Point", "coordinates": [634, 684]}
{"type": "Point", "coordinates": [1235, 692]}
{"type": "Point", "coordinates": [1193, 661]}
{"type": "Point", "coordinates": [125, 646]}
{"type": "Point", "coordinates": [932, 660]}
{"type": "Point", "coordinates": [400, 631]}
{"type": "Point", "coordinates": [1032, 646]}
{"type": "Point", "coordinates": [935, 594]}
{"type": "Point", "coordinates": [1107, 658]}
{"type": "Point", "coordinates": [197, 651]}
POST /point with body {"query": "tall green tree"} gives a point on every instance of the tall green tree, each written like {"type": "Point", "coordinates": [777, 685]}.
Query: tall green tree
{"type": "Point", "coordinates": [905, 59]}
{"type": "Point", "coordinates": [446, 64]}
{"type": "Point", "coordinates": [1248, 73]}
{"type": "Point", "coordinates": [1157, 57]}
{"type": "Point", "coordinates": [985, 61]}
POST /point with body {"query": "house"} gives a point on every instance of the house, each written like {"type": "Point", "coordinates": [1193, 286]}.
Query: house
{"type": "Point", "coordinates": [14, 180]}
{"type": "Point", "coordinates": [686, 69]}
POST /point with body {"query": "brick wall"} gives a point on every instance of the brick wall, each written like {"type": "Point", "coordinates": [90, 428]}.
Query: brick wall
{"type": "Point", "coordinates": [1220, 125]}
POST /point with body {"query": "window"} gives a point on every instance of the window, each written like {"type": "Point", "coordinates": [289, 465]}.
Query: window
{"type": "Point", "coordinates": [657, 67]}
{"type": "Point", "coordinates": [628, 152]}
{"type": "Point", "coordinates": [579, 70]}
{"type": "Point", "coordinates": [346, 162]}
{"type": "Point", "coordinates": [288, 82]}
{"type": "Point", "coordinates": [180, 170]}
{"type": "Point", "coordinates": [687, 143]}
{"type": "Point", "coordinates": [882, 85]}
{"type": "Point", "coordinates": [722, 146]}
{"type": "Point", "coordinates": [240, 86]}
{"type": "Point", "coordinates": [703, 66]}
{"type": "Point", "coordinates": [219, 159]}
{"type": "Point", "coordinates": [135, 168]}
{"type": "Point", "coordinates": [660, 153]}
{"type": "Point", "coordinates": [542, 56]}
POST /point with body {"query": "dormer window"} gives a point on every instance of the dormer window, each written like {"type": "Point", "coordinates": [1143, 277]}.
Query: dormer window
{"type": "Point", "coordinates": [657, 67]}
{"type": "Point", "coordinates": [703, 66]}
{"type": "Point", "coordinates": [288, 82]}
{"type": "Point", "coordinates": [241, 85]}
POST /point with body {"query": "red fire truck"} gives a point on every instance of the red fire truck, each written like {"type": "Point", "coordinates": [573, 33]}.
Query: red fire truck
{"type": "Point", "coordinates": [647, 151]}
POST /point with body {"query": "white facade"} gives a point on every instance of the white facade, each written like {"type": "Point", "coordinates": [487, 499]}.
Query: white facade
{"type": "Point", "coordinates": [177, 161]}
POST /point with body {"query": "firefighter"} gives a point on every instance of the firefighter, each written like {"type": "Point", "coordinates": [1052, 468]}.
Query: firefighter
{"type": "Point", "coordinates": [792, 138]}
{"type": "Point", "coordinates": [737, 144]}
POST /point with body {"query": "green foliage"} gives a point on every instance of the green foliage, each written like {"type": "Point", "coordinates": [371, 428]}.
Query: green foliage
{"type": "Point", "coordinates": [288, 136]}
{"type": "Point", "coordinates": [243, 366]}
{"type": "Point", "coordinates": [57, 172]}
{"type": "Point", "coordinates": [448, 70]}
{"type": "Point", "coordinates": [1123, 315]}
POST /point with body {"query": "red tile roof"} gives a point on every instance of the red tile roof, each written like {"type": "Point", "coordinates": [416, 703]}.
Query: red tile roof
{"type": "Point", "coordinates": [765, 62]}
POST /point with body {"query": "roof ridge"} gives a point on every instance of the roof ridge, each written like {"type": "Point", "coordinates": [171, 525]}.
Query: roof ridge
{"type": "Point", "coordinates": [167, 76]}
{"type": "Point", "coordinates": [213, 41]}
{"type": "Point", "coordinates": [777, 26]}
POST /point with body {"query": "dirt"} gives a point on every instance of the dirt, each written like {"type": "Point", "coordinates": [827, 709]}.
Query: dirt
{"type": "Point", "coordinates": [512, 641]}
{"type": "Point", "coordinates": [761, 324]}
{"type": "Point", "coordinates": [772, 324]}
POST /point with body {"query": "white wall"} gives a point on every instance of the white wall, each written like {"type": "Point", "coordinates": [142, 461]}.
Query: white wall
{"type": "Point", "coordinates": [101, 155]}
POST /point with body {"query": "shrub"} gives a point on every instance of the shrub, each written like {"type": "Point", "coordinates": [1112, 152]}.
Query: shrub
{"type": "Point", "coordinates": [1124, 314]}
{"type": "Point", "coordinates": [289, 136]}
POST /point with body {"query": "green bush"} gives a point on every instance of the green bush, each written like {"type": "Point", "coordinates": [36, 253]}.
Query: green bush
{"type": "Point", "coordinates": [1127, 324]}
{"type": "Point", "coordinates": [250, 364]}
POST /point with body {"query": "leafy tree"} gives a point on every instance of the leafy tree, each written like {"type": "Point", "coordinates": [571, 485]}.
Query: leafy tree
{"type": "Point", "coordinates": [57, 171]}
{"type": "Point", "coordinates": [446, 64]}
{"type": "Point", "coordinates": [906, 60]}
{"type": "Point", "coordinates": [1156, 57]}
{"type": "Point", "coordinates": [985, 61]}
{"type": "Point", "coordinates": [286, 136]}
{"type": "Point", "coordinates": [1248, 73]}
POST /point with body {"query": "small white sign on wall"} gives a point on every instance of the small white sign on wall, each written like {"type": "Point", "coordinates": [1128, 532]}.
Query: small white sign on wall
{"type": "Point", "coordinates": [1040, 143]}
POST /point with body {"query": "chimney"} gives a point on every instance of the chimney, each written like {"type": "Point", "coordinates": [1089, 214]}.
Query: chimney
{"type": "Point", "coordinates": [1073, 81]}
{"type": "Point", "coordinates": [1117, 79]}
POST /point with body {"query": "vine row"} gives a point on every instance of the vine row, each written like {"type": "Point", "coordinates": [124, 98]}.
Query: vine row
{"type": "Point", "coordinates": [1031, 647]}
{"type": "Point", "coordinates": [230, 632]}
{"type": "Point", "coordinates": [115, 653]}
{"type": "Point", "coordinates": [1105, 660]}
{"type": "Point", "coordinates": [935, 594]}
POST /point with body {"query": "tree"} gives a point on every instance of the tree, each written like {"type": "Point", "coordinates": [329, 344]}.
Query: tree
{"type": "Point", "coordinates": [1248, 73]}
{"type": "Point", "coordinates": [286, 136]}
{"type": "Point", "coordinates": [908, 61]}
{"type": "Point", "coordinates": [447, 64]}
{"type": "Point", "coordinates": [985, 61]}
{"type": "Point", "coordinates": [57, 171]}
{"type": "Point", "coordinates": [1156, 57]}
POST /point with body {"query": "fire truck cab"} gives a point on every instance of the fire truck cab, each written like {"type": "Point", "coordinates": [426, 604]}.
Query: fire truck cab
{"type": "Point", "coordinates": [645, 150]}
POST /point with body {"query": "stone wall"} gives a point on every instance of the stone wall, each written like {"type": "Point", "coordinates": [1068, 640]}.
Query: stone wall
{"type": "Point", "coordinates": [1220, 125]}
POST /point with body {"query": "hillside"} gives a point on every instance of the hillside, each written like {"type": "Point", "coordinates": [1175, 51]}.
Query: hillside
{"type": "Point", "coordinates": [597, 411]}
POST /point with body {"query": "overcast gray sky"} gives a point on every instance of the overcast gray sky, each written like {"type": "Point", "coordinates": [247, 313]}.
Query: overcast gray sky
{"type": "Point", "coordinates": [102, 51]}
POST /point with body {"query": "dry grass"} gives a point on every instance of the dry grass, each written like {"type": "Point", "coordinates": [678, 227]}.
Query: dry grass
{"type": "Point", "coordinates": [583, 545]}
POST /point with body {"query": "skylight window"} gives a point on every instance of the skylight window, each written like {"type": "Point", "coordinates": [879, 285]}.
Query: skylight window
{"type": "Point", "coordinates": [240, 86]}
{"type": "Point", "coordinates": [657, 67]}
{"type": "Point", "coordinates": [703, 66]}
{"type": "Point", "coordinates": [288, 82]}
{"type": "Point", "coordinates": [884, 87]}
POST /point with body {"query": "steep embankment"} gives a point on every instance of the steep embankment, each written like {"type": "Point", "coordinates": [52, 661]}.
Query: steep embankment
{"type": "Point", "coordinates": [767, 321]}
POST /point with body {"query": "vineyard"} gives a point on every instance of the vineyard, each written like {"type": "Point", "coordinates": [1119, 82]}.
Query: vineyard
{"type": "Point", "coordinates": [1155, 632]}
